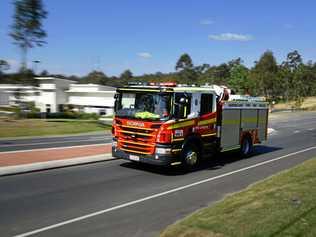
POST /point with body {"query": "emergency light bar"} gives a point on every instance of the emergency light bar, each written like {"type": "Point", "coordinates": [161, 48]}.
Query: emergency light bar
{"type": "Point", "coordinates": [167, 84]}
{"type": "Point", "coordinates": [163, 84]}
{"type": "Point", "coordinates": [137, 83]}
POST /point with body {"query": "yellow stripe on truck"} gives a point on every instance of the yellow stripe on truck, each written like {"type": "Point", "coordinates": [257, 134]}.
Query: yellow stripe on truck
{"type": "Point", "coordinates": [182, 124]}
{"type": "Point", "coordinates": [230, 122]}
{"type": "Point", "coordinates": [249, 120]}
{"type": "Point", "coordinates": [237, 121]}
{"type": "Point", "coordinates": [208, 135]}
{"type": "Point", "coordinates": [208, 121]}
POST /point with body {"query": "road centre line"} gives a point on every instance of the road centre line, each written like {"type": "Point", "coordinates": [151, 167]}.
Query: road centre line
{"type": "Point", "coordinates": [54, 148]}
{"type": "Point", "coordinates": [158, 194]}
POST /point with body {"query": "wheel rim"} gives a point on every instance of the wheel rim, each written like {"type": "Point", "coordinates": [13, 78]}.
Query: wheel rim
{"type": "Point", "coordinates": [191, 158]}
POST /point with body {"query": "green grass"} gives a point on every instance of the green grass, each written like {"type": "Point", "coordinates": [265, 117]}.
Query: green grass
{"type": "Point", "coordinates": [283, 205]}
{"type": "Point", "coordinates": [38, 127]}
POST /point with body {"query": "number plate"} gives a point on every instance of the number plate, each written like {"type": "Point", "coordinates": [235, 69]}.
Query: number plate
{"type": "Point", "coordinates": [133, 157]}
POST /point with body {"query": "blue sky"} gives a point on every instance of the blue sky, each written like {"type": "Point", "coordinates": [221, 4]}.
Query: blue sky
{"type": "Point", "coordinates": [147, 36]}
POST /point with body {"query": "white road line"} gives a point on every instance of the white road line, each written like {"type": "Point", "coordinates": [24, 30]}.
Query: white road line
{"type": "Point", "coordinates": [157, 195]}
{"type": "Point", "coordinates": [53, 148]}
{"type": "Point", "coordinates": [48, 143]}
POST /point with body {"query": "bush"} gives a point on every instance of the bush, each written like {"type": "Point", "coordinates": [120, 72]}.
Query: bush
{"type": "Point", "coordinates": [63, 115]}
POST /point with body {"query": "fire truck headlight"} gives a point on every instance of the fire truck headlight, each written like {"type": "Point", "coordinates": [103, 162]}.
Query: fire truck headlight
{"type": "Point", "coordinates": [163, 150]}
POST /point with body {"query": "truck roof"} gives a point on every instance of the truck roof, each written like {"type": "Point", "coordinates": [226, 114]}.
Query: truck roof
{"type": "Point", "coordinates": [178, 88]}
{"type": "Point", "coordinates": [212, 89]}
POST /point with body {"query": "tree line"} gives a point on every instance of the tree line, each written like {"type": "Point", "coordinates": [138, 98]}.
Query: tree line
{"type": "Point", "coordinates": [291, 79]}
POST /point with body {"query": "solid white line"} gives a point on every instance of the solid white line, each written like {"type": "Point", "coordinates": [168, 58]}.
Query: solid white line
{"type": "Point", "coordinates": [42, 143]}
{"type": "Point", "coordinates": [157, 195]}
{"type": "Point", "coordinates": [53, 148]}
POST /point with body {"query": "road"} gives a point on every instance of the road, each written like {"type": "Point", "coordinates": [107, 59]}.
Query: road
{"type": "Point", "coordinates": [50, 142]}
{"type": "Point", "coordinates": [118, 198]}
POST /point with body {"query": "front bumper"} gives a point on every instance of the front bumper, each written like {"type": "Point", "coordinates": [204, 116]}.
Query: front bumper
{"type": "Point", "coordinates": [154, 159]}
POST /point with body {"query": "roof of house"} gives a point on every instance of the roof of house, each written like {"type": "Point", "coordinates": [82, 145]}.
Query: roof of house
{"type": "Point", "coordinates": [91, 88]}
{"type": "Point", "coordinates": [54, 78]}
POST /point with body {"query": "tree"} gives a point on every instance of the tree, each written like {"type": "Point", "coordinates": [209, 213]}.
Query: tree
{"type": "Point", "coordinates": [293, 60]}
{"type": "Point", "coordinates": [265, 75]}
{"type": "Point", "coordinates": [4, 66]}
{"type": "Point", "coordinates": [235, 62]}
{"type": "Point", "coordinates": [293, 70]}
{"type": "Point", "coordinates": [184, 62]}
{"type": "Point", "coordinates": [27, 31]}
{"type": "Point", "coordinates": [185, 67]}
{"type": "Point", "coordinates": [239, 79]}
{"type": "Point", "coordinates": [95, 77]}
{"type": "Point", "coordinates": [44, 73]}
{"type": "Point", "coordinates": [126, 75]}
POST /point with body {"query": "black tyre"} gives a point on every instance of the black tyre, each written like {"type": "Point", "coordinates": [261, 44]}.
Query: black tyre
{"type": "Point", "coordinates": [190, 157]}
{"type": "Point", "coordinates": [246, 148]}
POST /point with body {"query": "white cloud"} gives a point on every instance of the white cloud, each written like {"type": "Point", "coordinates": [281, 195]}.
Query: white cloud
{"type": "Point", "coordinates": [144, 55]}
{"type": "Point", "coordinates": [231, 37]}
{"type": "Point", "coordinates": [206, 22]}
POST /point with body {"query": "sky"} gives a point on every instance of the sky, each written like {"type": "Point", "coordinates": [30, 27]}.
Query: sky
{"type": "Point", "coordinates": [148, 36]}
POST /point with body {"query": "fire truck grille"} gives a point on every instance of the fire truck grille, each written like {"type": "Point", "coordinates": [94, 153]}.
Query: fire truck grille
{"type": "Point", "coordinates": [136, 140]}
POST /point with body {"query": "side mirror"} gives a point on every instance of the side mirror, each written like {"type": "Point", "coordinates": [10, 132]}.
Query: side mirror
{"type": "Point", "coordinates": [116, 97]}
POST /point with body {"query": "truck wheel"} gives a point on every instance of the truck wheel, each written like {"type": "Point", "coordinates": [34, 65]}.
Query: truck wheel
{"type": "Point", "coordinates": [246, 146]}
{"type": "Point", "coordinates": [190, 156]}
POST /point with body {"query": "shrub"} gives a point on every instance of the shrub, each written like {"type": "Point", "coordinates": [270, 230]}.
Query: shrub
{"type": "Point", "coordinates": [62, 115]}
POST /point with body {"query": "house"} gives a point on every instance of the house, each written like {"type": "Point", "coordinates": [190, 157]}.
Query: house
{"type": "Point", "coordinates": [54, 94]}
{"type": "Point", "coordinates": [91, 98]}
{"type": "Point", "coordinates": [14, 94]}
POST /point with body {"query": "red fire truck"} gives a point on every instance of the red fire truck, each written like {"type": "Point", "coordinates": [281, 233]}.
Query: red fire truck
{"type": "Point", "coordinates": [169, 124]}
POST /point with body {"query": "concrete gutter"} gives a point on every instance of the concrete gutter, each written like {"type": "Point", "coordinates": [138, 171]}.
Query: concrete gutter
{"type": "Point", "coordinates": [17, 169]}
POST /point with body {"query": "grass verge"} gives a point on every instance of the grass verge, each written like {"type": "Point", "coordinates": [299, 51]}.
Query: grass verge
{"type": "Point", "coordinates": [283, 205]}
{"type": "Point", "coordinates": [38, 127]}
{"type": "Point", "coordinates": [308, 104]}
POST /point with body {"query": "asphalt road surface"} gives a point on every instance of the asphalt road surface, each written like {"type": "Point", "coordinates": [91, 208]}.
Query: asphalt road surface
{"type": "Point", "coordinates": [118, 198]}
{"type": "Point", "coordinates": [50, 142]}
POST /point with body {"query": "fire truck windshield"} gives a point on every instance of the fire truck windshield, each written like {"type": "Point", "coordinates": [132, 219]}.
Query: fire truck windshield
{"type": "Point", "coordinates": [143, 105]}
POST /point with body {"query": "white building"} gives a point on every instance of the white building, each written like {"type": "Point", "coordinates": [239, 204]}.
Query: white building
{"type": "Point", "coordinates": [92, 98]}
{"type": "Point", "coordinates": [13, 94]}
{"type": "Point", "coordinates": [54, 94]}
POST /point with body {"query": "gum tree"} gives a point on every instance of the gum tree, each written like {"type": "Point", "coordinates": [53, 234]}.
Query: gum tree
{"type": "Point", "coordinates": [27, 28]}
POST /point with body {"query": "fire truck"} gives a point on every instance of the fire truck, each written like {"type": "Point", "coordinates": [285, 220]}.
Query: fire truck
{"type": "Point", "coordinates": [169, 124]}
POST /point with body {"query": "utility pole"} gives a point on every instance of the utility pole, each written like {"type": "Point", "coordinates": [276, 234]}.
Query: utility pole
{"type": "Point", "coordinates": [35, 63]}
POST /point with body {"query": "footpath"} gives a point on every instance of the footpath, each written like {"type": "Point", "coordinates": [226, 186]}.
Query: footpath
{"type": "Point", "coordinates": [14, 162]}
